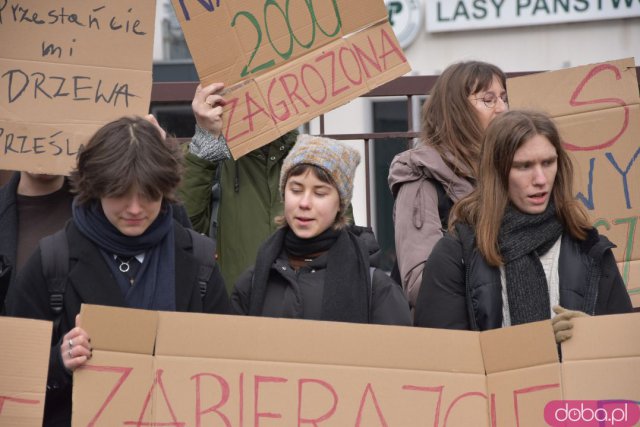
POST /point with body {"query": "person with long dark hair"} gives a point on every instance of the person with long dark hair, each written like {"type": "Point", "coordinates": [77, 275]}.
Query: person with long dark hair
{"type": "Point", "coordinates": [520, 247]}
{"type": "Point", "coordinates": [427, 180]}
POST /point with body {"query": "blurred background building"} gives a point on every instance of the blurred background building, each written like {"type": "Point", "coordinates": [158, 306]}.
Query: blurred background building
{"type": "Point", "coordinates": [516, 35]}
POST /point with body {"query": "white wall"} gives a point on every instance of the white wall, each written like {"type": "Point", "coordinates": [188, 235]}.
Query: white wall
{"type": "Point", "coordinates": [532, 48]}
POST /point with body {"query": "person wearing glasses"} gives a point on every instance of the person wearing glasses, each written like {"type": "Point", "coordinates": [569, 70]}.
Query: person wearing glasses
{"type": "Point", "coordinates": [426, 180]}
{"type": "Point", "coordinates": [520, 247]}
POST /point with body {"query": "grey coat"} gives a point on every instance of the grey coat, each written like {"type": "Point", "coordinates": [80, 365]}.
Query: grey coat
{"type": "Point", "coordinates": [415, 212]}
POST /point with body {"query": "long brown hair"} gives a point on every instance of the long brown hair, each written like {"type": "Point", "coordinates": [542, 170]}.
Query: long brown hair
{"type": "Point", "coordinates": [484, 208]}
{"type": "Point", "coordinates": [449, 122]}
{"type": "Point", "coordinates": [123, 153]}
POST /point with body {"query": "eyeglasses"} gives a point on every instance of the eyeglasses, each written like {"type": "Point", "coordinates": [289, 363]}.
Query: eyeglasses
{"type": "Point", "coordinates": [490, 100]}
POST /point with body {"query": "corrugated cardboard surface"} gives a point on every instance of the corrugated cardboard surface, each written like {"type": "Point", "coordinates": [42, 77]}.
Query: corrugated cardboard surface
{"type": "Point", "coordinates": [134, 332]}
{"type": "Point", "coordinates": [523, 372]}
{"type": "Point", "coordinates": [344, 394]}
{"type": "Point", "coordinates": [227, 370]}
{"type": "Point", "coordinates": [552, 91]}
{"type": "Point", "coordinates": [24, 362]}
{"type": "Point", "coordinates": [611, 335]}
{"type": "Point", "coordinates": [244, 29]}
{"type": "Point", "coordinates": [317, 342]}
{"type": "Point", "coordinates": [285, 64]}
{"type": "Point", "coordinates": [237, 367]}
{"type": "Point", "coordinates": [602, 359]}
{"type": "Point", "coordinates": [518, 347]}
{"type": "Point", "coordinates": [520, 395]}
{"type": "Point", "coordinates": [62, 81]}
{"type": "Point", "coordinates": [597, 110]}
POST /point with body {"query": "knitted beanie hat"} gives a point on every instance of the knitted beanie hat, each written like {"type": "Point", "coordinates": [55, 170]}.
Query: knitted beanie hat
{"type": "Point", "coordinates": [335, 158]}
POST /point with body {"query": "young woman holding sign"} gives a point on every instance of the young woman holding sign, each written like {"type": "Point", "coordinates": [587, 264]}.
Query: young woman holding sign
{"type": "Point", "coordinates": [521, 248]}
{"type": "Point", "coordinates": [124, 249]}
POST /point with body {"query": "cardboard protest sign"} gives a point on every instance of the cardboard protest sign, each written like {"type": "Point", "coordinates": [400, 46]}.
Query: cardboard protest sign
{"type": "Point", "coordinates": [597, 109]}
{"type": "Point", "coordinates": [161, 368]}
{"type": "Point", "coordinates": [285, 63]}
{"type": "Point", "coordinates": [23, 370]}
{"type": "Point", "coordinates": [67, 68]}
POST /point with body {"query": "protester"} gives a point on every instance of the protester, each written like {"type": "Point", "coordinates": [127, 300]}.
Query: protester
{"type": "Point", "coordinates": [239, 211]}
{"type": "Point", "coordinates": [428, 179]}
{"type": "Point", "coordinates": [315, 266]}
{"type": "Point", "coordinates": [520, 247]}
{"type": "Point", "coordinates": [31, 207]}
{"type": "Point", "coordinates": [124, 249]}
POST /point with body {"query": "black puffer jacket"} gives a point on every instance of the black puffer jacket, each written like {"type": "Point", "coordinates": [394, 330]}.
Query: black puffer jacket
{"type": "Point", "coordinates": [286, 290]}
{"type": "Point", "coordinates": [464, 292]}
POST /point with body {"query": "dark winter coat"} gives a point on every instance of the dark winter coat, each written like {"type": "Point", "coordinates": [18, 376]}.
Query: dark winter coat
{"type": "Point", "coordinates": [90, 281]}
{"type": "Point", "coordinates": [9, 232]}
{"type": "Point", "coordinates": [284, 296]}
{"type": "Point", "coordinates": [463, 292]}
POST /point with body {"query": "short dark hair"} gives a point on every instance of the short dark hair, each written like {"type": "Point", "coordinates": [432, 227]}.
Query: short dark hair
{"type": "Point", "coordinates": [124, 153]}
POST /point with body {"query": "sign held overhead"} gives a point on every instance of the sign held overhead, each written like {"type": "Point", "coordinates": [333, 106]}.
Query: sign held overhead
{"type": "Point", "coordinates": [285, 63]}
{"type": "Point", "coordinates": [65, 70]}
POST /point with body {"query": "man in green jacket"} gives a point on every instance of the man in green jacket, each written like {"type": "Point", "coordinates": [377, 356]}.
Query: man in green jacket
{"type": "Point", "coordinates": [239, 213]}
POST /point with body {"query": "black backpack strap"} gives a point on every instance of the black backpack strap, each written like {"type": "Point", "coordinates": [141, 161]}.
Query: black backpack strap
{"type": "Point", "coordinates": [444, 203]}
{"type": "Point", "coordinates": [204, 249]}
{"type": "Point", "coordinates": [54, 250]}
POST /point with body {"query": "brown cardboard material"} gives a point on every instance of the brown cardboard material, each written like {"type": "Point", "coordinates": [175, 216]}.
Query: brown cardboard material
{"type": "Point", "coordinates": [286, 64]}
{"type": "Point", "coordinates": [249, 370]}
{"type": "Point", "coordinates": [67, 70]}
{"type": "Point", "coordinates": [241, 371]}
{"type": "Point", "coordinates": [597, 109]}
{"type": "Point", "coordinates": [23, 370]}
{"type": "Point", "coordinates": [602, 360]}
{"type": "Point", "coordinates": [523, 372]}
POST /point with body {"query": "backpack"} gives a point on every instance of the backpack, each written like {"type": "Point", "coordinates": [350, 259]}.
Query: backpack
{"type": "Point", "coordinates": [444, 207]}
{"type": "Point", "coordinates": [54, 250]}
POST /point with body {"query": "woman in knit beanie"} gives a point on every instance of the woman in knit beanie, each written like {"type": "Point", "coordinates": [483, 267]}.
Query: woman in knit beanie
{"type": "Point", "coordinates": [315, 266]}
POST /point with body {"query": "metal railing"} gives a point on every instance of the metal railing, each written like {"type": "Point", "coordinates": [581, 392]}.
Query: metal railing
{"type": "Point", "coordinates": [403, 87]}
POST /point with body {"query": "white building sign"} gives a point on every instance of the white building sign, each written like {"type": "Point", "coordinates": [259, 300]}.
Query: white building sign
{"type": "Point", "coordinates": [460, 15]}
{"type": "Point", "coordinates": [406, 19]}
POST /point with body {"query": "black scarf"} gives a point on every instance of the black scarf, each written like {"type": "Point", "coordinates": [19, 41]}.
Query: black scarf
{"type": "Point", "coordinates": [298, 247]}
{"type": "Point", "coordinates": [522, 239]}
{"type": "Point", "coordinates": [346, 287]}
{"type": "Point", "coordinates": [155, 281]}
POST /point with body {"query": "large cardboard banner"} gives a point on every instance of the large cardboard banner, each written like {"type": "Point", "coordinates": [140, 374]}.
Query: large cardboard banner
{"type": "Point", "coordinates": [597, 108]}
{"type": "Point", "coordinates": [286, 62]}
{"type": "Point", "coordinates": [184, 369]}
{"type": "Point", "coordinates": [67, 68]}
{"type": "Point", "coordinates": [24, 363]}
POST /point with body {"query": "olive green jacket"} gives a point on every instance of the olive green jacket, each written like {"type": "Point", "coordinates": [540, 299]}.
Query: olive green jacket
{"type": "Point", "coordinates": [250, 200]}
